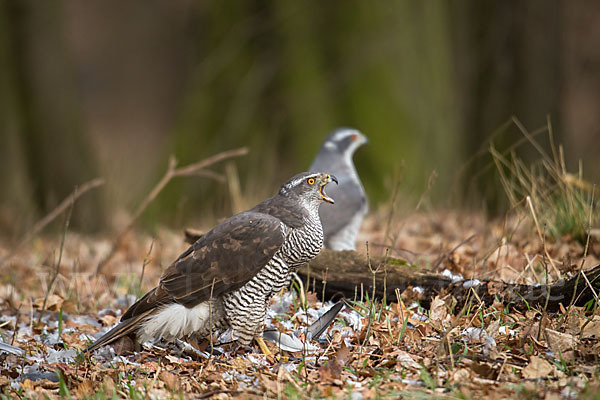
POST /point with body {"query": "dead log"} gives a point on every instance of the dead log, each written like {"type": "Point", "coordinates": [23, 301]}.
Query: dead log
{"type": "Point", "coordinates": [348, 274]}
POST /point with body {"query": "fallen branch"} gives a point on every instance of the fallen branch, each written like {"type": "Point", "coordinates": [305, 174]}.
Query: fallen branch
{"type": "Point", "coordinates": [64, 205]}
{"type": "Point", "coordinates": [346, 273]}
{"type": "Point", "coordinates": [196, 169]}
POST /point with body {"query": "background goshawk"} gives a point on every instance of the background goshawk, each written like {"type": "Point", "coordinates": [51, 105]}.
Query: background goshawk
{"type": "Point", "coordinates": [342, 222]}
{"type": "Point", "coordinates": [228, 276]}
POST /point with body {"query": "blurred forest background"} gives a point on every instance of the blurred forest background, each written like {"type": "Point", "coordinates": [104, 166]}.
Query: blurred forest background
{"type": "Point", "coordinates": [112, 88]}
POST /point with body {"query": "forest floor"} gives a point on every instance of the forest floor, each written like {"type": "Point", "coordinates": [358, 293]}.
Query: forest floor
{"type": "Point", "coordinates": [53, 304]}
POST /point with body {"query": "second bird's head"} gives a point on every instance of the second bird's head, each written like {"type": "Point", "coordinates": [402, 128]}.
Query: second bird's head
{"type": "Point", "coordinates": [344, 141]}
{"type": "Point", "coordinates": [309, 187]}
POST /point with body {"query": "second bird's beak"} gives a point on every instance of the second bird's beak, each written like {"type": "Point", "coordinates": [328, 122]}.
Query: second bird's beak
{"type": "Point", "coordinates": [326, 179]}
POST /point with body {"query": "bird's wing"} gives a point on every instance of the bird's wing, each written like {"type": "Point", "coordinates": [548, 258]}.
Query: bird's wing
{"type": "Point", "coordinates": [221, 261]}
{"type": "Point", "coordinates": [126, 327]}
{"type": "Point", "coordinates": [349, 200]}
{"type": "Point", "coordinates": [320, 325]}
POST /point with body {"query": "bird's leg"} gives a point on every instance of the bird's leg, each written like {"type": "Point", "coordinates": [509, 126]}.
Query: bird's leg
{"type": "Point", "coordinates": [263, 346]}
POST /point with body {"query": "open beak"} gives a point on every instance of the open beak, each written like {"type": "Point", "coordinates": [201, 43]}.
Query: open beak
{"type": "Point", "coordinates": [327, 178]}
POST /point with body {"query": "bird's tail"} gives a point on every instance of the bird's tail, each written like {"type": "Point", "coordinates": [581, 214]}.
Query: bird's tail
{"type": "Point", "coordinates": [124, 328]}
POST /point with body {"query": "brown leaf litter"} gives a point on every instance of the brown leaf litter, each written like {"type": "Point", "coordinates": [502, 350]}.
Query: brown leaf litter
{"type": "Point", "coordinates": [371, 349]}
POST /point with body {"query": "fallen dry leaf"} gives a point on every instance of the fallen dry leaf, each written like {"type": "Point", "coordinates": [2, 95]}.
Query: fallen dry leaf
{"type": "Point", "coordinates": [461, 375]}
{"type": "Point", "coordinates": [559, 342]}
{"type": "Point", "coordinates": [438, 310]}
{"type": "Point", "coordinates": [343, 354]}
{"type": "Point", "coordinates": [109, 320]}
{"type": "Point", "coordinates": [537, 368]}
{"type": "Point", "coordinates": [170, 379]}
{"type": "Point", "coordinates": [84, 389]}
{"type": "Point", "coordinates": [591, 328]}
{"type": "Point", "coordinates": [53, 303]}
{"type": "Point", "coordinates": [311, 298]}
{"type": "Point", "coordinates": [330, 371]}
{"type": "Point", "coordinates": [407, 361]}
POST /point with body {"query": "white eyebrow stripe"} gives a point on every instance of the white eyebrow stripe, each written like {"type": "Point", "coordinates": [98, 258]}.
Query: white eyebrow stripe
{"type": "Point", "coordinates": [341, 134]}
{"type": "Point", "coordinates": [297, 181]}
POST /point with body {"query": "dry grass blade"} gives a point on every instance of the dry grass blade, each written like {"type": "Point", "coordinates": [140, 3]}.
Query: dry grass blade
{"type": "Point", "coordinates": [542, 238]}
{"type": "Point", "coordinates": [556, 199]}
{"type": "Point", "coordinates": [585, 251]}
{"type": "Point", "coordinates": [172, 172]}
{"type": "Point", "coordinates": [591, 287]}
{"type": "Point", "coordinates": [58, 262]}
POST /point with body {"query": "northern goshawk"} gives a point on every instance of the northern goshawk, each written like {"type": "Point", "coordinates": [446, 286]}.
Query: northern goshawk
{"type": "Point", "coordinates": [227, 277]}
{"type": "Point", "coordinates": [342, 222]}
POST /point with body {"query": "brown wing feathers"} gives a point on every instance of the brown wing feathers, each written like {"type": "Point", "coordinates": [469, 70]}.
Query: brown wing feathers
{"type": "Point", "coordinates": [221, 261]}
{"type": "Point", "coordinates": [224, 259]}
{"type": "Point", "coordinates": [124, 328]}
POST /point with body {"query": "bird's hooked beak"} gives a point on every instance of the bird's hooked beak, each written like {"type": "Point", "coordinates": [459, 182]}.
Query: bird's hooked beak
{"type": "Point", "coordinates": [324, 181]}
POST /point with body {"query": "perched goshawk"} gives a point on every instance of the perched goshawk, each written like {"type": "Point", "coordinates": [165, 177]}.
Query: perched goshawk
{"type": "Point", "coordinates": [342, 222]}
{"type": "Point", "coordinates": [227, 277]}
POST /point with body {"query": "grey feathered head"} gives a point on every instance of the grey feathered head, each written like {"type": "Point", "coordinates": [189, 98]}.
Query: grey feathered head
{"type": "Point", "coordinates": [344, 141]}
{"type": "Point", "coordinates": [308, 186]}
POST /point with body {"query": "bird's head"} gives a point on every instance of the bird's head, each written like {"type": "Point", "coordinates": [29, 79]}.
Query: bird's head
{"type": "Point", "coordinates": [308, 187]}
{"type": "Point", "coordinates": [344, 141]}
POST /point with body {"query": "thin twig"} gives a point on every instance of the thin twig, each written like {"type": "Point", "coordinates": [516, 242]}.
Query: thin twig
{"type": "Point", "coordinates": [235, 189]}
{"type": "Point", "coordinates": [304, 305]}
{"type": "Point", "coordinates": [216, 392]}
{"type": "Point", "coordinates": [147, 260]}
{"type": "Point", "coordinates": [57, 267]}
{"type": "Point", "coordinates": [585, 252]}
{"type": "Point", "coordinates": [372, 304]}
{"type": "Point", "coordinates": [390, 217]}
{"type": "Point", "coordinates": [172, 172]}
{"type": "Point", "coordinates": [14, 335]}
{"type": "Point", "coordinates": [448, 254]}
{"type": "Point", "coordinates": [454, 323]}
{"type": "Point", "coordinates": [64, 205]}
{"type": "Point", "coordinates": [548, 287]}
{"type": "Point", "coordinates": [530, 266]}
{"type": "Point", "coordinates": [591, 287]}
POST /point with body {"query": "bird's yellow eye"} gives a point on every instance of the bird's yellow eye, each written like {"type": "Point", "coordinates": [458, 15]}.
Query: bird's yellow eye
{"type": "Point", "coordinates": [311, 181]}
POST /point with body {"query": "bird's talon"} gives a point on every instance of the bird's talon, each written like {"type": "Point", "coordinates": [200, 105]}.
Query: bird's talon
{"type": "Point", "coordinates": [282, 359]}
{"type": "Point", "coordinates": [263, 346]}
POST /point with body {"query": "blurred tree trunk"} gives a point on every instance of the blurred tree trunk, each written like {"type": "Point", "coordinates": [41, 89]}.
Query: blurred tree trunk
{"type": "Point", "coordinates": [305, 97]}
{"type": "Point", "coordinates": [508, 57]}
{"type": "Point", "coordinates": [46, 111]}
{"type": "Point", "coordinates": [581, 92]}
{"type": "Point", "coordinates": [391, 76]}
{"type": "Point", "coordinates": [16, 189]}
